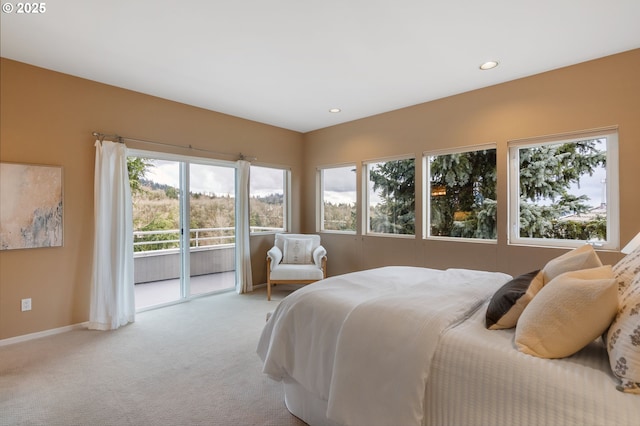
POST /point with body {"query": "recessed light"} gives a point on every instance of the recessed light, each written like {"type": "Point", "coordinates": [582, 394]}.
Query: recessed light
{"type": "Point", "coordinates": [488, 65]}
{"type": "Point", "coordinates": [334, 110]}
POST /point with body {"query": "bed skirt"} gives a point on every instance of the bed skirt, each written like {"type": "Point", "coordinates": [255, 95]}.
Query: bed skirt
{"type": "Point", "coordinates": [304, 405]}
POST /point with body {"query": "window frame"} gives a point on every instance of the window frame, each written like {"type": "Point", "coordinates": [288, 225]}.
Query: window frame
{"type": "Point", "coordinates": [286, 172]}
{"type": "Point", "coordinates": [426, 193]}
{"type": "Point", "coordinates": [320, 225]}
{"type": "Point", "coordinates": [611, 188]}
{"type": "Point", "coordinates": [366, 216]}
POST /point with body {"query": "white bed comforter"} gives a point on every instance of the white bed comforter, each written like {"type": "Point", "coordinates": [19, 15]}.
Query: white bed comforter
{"type": "Point", "coordinates": [479, 378]}
{"type": "Point", "coordinates": [364, 341]}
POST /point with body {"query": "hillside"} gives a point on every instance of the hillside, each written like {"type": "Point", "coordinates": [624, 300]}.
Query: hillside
{"type": "Point", "coordinates": [156, 207]}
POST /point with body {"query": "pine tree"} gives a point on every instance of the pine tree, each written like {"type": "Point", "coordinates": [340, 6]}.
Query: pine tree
{"type": "Point", "coordinates": [546, 173]}
{"type": "Point", "coordinates": [395, 182]}
{"type": "Point", "coordinates": [464, 201]}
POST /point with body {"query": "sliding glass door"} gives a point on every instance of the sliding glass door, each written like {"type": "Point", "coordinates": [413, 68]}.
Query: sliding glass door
{"type": "Point", "coordinates": [157, 241]}
{"type": "Point", "coordinates": [212, 222]}
{"type": "Point", "coordinates": [184, 227]}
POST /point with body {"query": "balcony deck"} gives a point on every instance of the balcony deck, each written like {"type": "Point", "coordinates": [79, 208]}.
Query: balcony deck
{"type": "Point", "coordinates": [156, 293]}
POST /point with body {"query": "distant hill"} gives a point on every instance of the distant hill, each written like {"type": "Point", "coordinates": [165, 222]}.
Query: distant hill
{"type": "Point", "coordinates": [157, 207]}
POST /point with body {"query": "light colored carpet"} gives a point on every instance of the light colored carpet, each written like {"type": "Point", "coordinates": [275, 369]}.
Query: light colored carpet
{"type": "Point", "coordinates": [189, 364]}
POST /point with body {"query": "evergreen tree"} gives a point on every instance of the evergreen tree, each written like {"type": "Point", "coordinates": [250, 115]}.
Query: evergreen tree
{"type": "Point", "coordinates": [463, 199]}
{"type": "Point", "coordinates": [546, 174]}
{"type": "Point", "coordinates": [394, 181]}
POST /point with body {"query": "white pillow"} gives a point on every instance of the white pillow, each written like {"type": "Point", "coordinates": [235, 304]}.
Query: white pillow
{"type": "Point", "coordinates": [570, 311]}
{"type": "Point", "coordinates": [297, 251]}
{"type": "Point", "coordinates": [627, 269]}
{"type": "Point", "coordinates": [623, 340]}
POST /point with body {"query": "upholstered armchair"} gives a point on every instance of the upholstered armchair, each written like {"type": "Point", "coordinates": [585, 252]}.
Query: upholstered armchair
{"type": "Point", "coordinates": [295, 259]}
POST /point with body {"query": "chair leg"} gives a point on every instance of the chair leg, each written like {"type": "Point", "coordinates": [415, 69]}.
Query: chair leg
{"type": "Point", "coordinates": [324, 267]}
{"type": "Point", "coordinates": [268, 278]}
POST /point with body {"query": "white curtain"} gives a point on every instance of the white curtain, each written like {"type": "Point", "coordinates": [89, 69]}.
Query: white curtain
{"type": "Point", "coordinates": [112, 294]}
{"type": "Point", "coordinates": [244, 280]}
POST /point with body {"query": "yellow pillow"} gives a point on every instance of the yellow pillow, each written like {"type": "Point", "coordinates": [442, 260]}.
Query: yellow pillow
{"type": "Point", "coordinates": [584, 257]}
{"type": "Point", "coordinates": [570, 311]}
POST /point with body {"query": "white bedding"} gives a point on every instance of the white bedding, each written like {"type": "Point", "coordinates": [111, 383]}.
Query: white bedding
{"type": "Point", "coordinates": [364, 341]}
{"type": "Point", "coordinates": [479, 378]}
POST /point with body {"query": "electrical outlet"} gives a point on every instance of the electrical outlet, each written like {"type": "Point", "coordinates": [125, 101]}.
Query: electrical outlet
{"type": "Point", "coordinates": [26, 304]}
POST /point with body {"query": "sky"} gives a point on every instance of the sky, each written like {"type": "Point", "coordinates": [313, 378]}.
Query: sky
{"type": "Point", "coordinates": [340, 185]}
{"type": "Point", "coordinates": [592, 186]}
{"type": "Point", "coordinates": [207, 179]}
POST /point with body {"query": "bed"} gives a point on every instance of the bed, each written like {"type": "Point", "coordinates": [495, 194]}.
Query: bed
{"type": "Point", "coordinates": [406, 345]}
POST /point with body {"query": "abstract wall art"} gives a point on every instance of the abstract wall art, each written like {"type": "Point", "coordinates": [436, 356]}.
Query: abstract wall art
{"type": "Point", "coordinates": [31, 206]}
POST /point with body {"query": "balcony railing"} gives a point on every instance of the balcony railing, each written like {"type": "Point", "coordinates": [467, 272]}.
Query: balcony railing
{"type": "Point", "coordinates": [199, 237]}
{"type": "Point", "coordinates": [170, 238]}
{"type": "Point", "coordinates": [157, 253]}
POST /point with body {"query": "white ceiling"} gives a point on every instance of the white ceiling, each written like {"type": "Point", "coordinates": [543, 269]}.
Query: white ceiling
{"type": "Point", "coordinates": [287, 62]}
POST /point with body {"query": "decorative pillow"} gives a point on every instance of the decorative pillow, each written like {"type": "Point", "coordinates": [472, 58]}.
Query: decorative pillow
{"type": "Point", "coordinates": [584, 257]}
{"type": "Point", "coordinates": [627, 269]}
{"type": "Point", "coordinates": [568, 313]}
{"type": "Point", "coordinates": [623, 340]}
{"type": "Point", "coordinates": [509, 301]}
{"type": "Point", "coordinates": [297, 251]}
{"type": "Point", "coordinates": [507, 304]}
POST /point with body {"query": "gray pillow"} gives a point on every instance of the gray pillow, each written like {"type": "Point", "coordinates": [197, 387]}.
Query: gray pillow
{"type": "Point", "coordinates": [505, 299]}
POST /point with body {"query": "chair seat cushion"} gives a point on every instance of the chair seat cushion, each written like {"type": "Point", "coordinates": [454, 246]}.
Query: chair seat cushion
{"type": "Point", "coordinates": [296, 272]}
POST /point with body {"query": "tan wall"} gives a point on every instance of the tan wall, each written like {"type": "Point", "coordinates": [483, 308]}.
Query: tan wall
{"type": "Point", "coordinates": [595, 94]}
{"type": "Point", "coordinates": [47, 118]}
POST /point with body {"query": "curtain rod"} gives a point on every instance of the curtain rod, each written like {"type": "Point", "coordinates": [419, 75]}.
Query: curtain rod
{"type": "Point", "coordinates": [121, 139]}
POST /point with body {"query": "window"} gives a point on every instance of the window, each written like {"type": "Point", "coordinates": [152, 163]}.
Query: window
{"type": "Point", "coordinates": [268, 204]}
{"type": "Point", "coordinates": [391, 197]}
{"type": "Point", "coordinates": [338, 198]}
{"type": "Point", "coordinates": [462, 194]}
{"type": "Point", "coordinates": [564, 190]}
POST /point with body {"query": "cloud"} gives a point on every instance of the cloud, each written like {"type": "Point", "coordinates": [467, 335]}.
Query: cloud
{"type": "Point", "coordinates": [207, 179]}
{"type": "Point", "coordinates": [204, 179]}
{"type": "Point", "coordinates": [164, 173]}
{"type": "Point", "coordinates": [266, 181]}
{"type": "Point", "coordinates": [340, 179]}
{"type": "Point", "coordinates": [219, 180]}
{"type": "Point", "coordinates": [339, 185]}
{"type": "Point", "coordinates": [340, 197]}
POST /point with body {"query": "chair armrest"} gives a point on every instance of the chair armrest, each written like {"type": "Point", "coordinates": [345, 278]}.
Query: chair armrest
{"type": "Point", "coordinates": [318, 254]}
{"type": "Point", "coordinates": [276, 256]}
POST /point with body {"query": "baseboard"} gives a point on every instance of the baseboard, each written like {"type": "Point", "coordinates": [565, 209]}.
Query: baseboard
{"type": "Point", "coordinates": [39, 334]}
